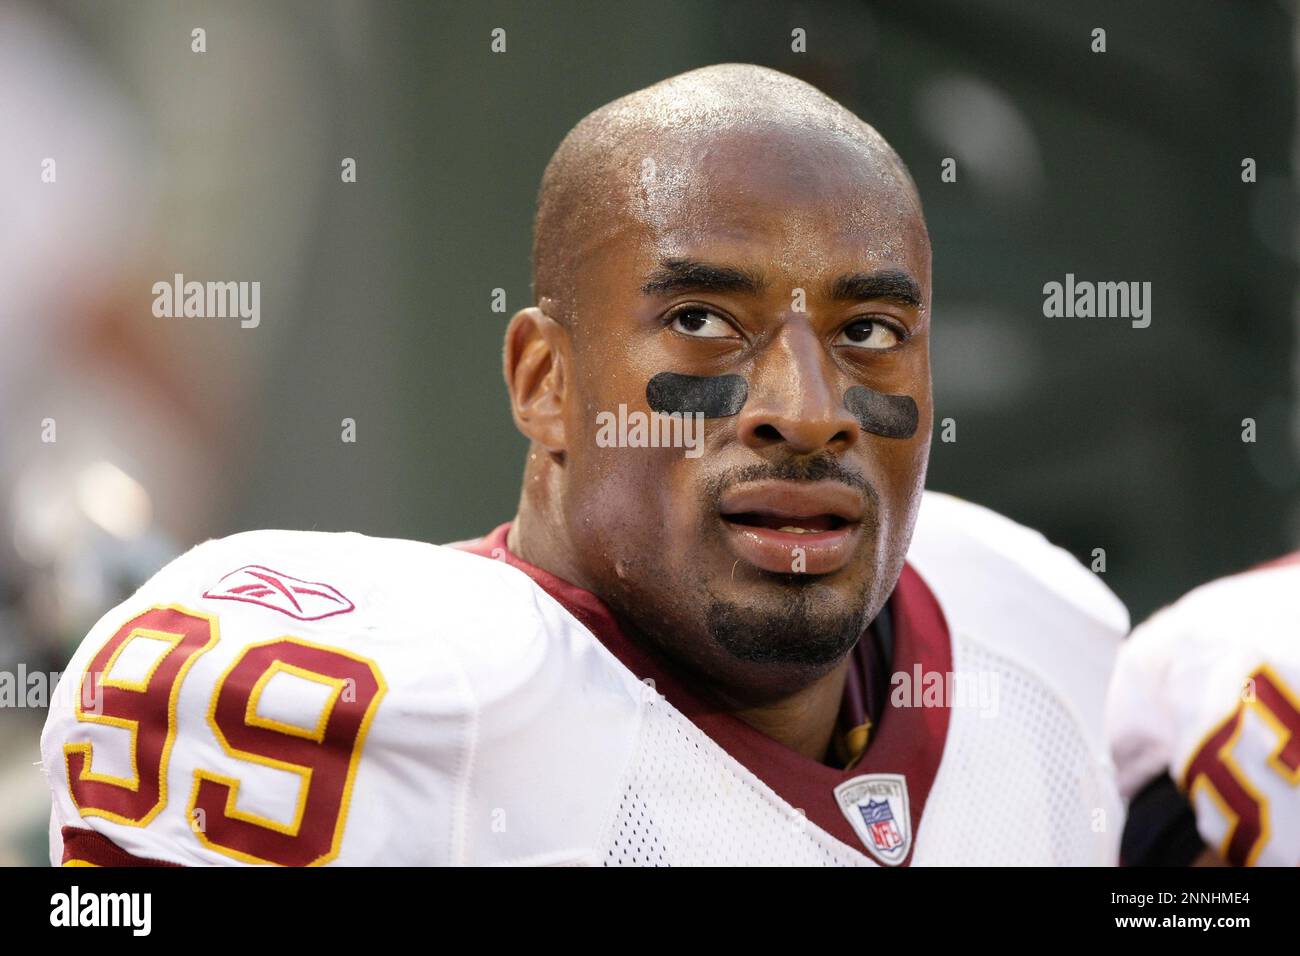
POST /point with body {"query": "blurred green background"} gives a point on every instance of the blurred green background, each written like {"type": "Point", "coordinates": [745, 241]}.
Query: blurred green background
{"type": "Point", "coordinates": [1122, 166]}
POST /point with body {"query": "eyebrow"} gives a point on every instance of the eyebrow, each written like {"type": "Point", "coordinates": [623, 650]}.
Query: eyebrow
{"type": "Point", "coordinates": [892, 285]}
{"type": "Point", "coordinates": [677, 275]}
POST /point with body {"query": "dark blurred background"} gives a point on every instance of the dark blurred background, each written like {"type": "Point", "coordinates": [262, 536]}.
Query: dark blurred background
{"type": "Point", "coordinates": [376, 295]}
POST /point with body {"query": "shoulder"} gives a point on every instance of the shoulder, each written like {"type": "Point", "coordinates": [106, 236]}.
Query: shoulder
{"type": "Point", "coordinates": [1184, 669]}
{"type": "Point", "coordinates": [1007, 590]}
{"type": "Point", "coordinates": [1218, 630]}
{"type": "Point", "coordinates": [221, 567]}
{"type": "Point", "coordinates": [393, 672]}
{"type": "Point", "coordinates": [337, 584]}
{"type": "Point", "coordinates": [981, 554]}
{"type": "Point", "coordinates": [1240, 608]}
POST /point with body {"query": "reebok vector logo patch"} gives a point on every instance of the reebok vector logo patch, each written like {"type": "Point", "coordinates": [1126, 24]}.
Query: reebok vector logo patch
{"type": "Point", "coordinates": [305, 600]}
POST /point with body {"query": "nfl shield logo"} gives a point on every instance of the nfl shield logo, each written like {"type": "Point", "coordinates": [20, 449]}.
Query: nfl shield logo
{"type": "Point", "coordinates": [876, 805]}
{"type": "Point", "coordinates": [880, 824]}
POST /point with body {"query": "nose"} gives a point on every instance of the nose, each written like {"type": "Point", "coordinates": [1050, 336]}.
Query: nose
{"type": "Point", "coordinates": [793, 400]}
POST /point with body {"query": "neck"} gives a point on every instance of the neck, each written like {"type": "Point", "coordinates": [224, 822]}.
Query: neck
{"type": "Point", "coordinates": [803, 720]}
{"type": "Point", "coordinates": [537, 534]}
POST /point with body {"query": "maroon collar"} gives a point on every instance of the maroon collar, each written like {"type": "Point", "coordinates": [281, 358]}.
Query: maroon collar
{"type": "Point", "coordinates": [906, 740]}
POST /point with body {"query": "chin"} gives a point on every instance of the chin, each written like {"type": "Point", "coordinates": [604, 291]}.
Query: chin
{"type": "Point", "coordinates": [810, 628]}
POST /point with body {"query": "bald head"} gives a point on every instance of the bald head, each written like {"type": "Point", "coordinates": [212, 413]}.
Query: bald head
{"type": "Point", "coordinates": [632, 163]}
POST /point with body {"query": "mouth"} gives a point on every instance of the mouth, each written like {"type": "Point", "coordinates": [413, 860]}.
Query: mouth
{"type": "Point", "coordinates": [787, 524]}
{"type": "Point", "coordinates": [793, 527]}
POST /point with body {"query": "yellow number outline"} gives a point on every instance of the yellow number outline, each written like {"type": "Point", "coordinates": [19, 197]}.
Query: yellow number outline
{"type": "Point", "coordinates": [304, 773]}
{"type": "Point", "coordinates": [1203, 784]}
{"type": "Point", "coordinates": [87, 748]}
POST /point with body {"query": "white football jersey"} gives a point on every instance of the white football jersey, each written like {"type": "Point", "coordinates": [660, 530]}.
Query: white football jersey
{"type": "Point", "coordinates": [1208, 691]}
{"type": "Point", "coordinates": [294, 698]}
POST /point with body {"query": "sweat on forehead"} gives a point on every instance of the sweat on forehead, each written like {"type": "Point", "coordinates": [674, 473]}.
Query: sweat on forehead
{"type": "Point", "coordinates": [599, 175]}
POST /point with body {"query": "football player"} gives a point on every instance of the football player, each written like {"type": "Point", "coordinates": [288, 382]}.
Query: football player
{"type": "Point", "coordinates": [1204, 721]}
{"type": "Point", "coordinates": [725, 626]}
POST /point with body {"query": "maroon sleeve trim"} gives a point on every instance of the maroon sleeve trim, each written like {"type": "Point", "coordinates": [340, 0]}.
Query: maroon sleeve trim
{"type": "Point", "coordinates": [83, 847]}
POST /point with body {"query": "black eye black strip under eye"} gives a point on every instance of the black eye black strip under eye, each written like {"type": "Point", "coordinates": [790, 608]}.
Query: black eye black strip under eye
{"type": "Point", "coordinates": [715, 396]}
{"type": "Point", "coordinates": [720, 396]}
{"type": "Point", "coordinates": [890, 416]}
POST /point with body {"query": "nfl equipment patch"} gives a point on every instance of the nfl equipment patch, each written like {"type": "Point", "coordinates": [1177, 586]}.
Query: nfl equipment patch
{"type": "Point", "coordinates": [876, 806]}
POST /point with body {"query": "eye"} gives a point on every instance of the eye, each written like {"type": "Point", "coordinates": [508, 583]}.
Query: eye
{"type": "Point", "coordinates": [869, 334]}
{"type": "Point", "coordinates": [701, 323]}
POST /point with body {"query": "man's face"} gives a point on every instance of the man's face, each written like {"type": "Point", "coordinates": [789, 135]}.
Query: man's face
{"type": "Point", "coordinates": [758, 563]}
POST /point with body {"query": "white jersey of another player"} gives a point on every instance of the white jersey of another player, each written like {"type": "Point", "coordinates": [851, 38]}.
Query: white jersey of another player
{"type": "Point", "coordinates": [1208, 692]}
{"type": "Point", "coordinates": [306, 698]}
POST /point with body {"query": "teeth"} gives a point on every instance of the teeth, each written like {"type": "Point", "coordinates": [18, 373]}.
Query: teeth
{"type": "Point", "coordinates": [794, 529]}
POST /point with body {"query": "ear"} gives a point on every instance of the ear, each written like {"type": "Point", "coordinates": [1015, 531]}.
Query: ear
{"type": "Point", "coordinates": [536, 355]}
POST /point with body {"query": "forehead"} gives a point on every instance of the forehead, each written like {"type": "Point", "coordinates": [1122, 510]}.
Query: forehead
{"type": "Point", "coordinates": [800, 203]}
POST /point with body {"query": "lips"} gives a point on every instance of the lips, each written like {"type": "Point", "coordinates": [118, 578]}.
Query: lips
{"type": "Point", "coordinates": [787, 527]}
